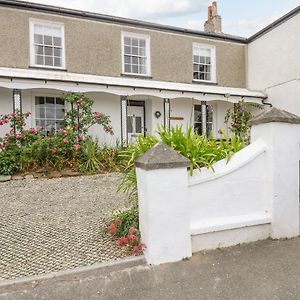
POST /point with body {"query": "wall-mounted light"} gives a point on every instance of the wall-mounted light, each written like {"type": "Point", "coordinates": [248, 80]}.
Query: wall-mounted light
{"type": "Point", "coordinates": [157, 114]}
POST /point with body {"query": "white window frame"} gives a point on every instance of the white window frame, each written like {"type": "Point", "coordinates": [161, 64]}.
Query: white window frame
{"type": "Point", "coordinates": [33, 22]}
{"type": "Point", "coordinates": [148, 52]}
{"type": "Point", "coordinates": [213, 62]}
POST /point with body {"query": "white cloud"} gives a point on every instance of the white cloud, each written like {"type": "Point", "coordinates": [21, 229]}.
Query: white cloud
{"type": "Point", "coordinates": [248, 27]}
{"type": "Point", "coordinates": [140, 9]}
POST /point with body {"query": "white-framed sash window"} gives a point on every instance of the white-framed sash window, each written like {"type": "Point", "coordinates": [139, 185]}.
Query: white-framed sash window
{"type": "Point", "coordinates": [49, 113]}
{"type": "Point", "coordinates": [136, 54]}
{"type": "Point", "coordinates": [47, 44]}
{"type": "Point", "coordinates": [204, 63]}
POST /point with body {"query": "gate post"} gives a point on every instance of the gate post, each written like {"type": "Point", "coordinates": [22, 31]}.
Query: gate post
{"type": "Point", "coordinates": [162, 180]}
{"type": "Point", "coordinates": [280, 130]}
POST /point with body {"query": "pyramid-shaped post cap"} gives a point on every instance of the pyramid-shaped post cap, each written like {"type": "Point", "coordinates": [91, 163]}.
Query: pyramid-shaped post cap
{"type": "Point", "coordinates": [275, 115]}
{"type": "Point", "coordinates": [161, 156]}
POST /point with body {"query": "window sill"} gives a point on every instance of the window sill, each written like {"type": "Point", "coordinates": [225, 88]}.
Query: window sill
{"type": "Point", "coordinates": [139, 76]}
{"type": "Point", "coordinates": [47, 68]}
{"type": "Point", "coordinates": [204, 82]}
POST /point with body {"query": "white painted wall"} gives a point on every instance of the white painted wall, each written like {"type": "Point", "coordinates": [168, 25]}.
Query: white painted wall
{"type": "Point", "coordinates": [254, 196]}
{"type": "Point", "coordinates": [273, 65]}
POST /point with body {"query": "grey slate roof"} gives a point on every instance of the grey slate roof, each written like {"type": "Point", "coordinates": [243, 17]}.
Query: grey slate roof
{"type": "Point", "coordinates": [275, 115]}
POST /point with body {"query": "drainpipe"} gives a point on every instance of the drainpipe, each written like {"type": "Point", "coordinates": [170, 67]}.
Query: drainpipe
{"type": "Point", "coordinates": [263, 101]}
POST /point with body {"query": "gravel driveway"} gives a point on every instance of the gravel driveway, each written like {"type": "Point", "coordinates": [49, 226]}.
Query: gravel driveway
{"type": "Point", "coordinates": [50, 225]}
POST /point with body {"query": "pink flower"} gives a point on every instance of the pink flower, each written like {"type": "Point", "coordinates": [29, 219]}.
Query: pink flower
{"type": "Point", "coordinates": [53, 151]}
{"type": "Point", "coordinates": [132, 230]}
{"type": "Point", "coordinates": [65, 140]}
{"type": "Point", "coordinates": [123, 241]}
{"type": "Point", "coordinates": [112, 229]}
{"type": "Point", "coordinates": [77, 147]}
{"type": "Point", "coordinates": [132, 238]}
{"type": "Point", "coordinates": [118, 222]}
{"type": "Point", "coordinates": [18, 136]}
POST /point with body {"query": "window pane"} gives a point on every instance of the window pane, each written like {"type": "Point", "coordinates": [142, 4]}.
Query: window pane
{"type": "Point", "coordinates": [48, 60]}
{"type": "Point", "coordinates": [57, 52]}
{"type": "Point", "coordinates": [39, 50]}
{"type": "Point", "coordinates": [48, 40]}
{"type": "Point", "coordinates": [142, 51]}
{"type": "Point", "coordinates": [135, 42]}
{"type": "Point", "coordinates": [39, 100]}
{"type": "Point", "coordinates": [127, 68]}
{"type": "Point", "coordinates": [127, 50]}
{"type": "Point", "coordinates": [127, 59]}
{"type": "Point", "coordinates": [142, 43]}
{"type": "Point", "coordinates": [196, 59]}
{"type": "Point", "coordinates": [50, 100]}
{"type": "Point", "coordinates": [39, 60]}
{"type": "Point", "coordinates": [56, 31]}
{"type": "Point", "coordinates": [60, 113]}
{"type": "Point", "coordinates": [48, 51]}
{"type": "Point", "coordinates": [135, 69]}
{"type": "Point", "coordinates": [135, 60]}
{"type": "Point", "coordinates": [142, 70]}
{"type": "Point", "coordinates": [142, 61]}
{"type": "Point", "coordinates": [135, 50]}
{"type": "Point", "coordinates": [198, 128]}
{"type": "Point", "coordinates": [127, 41]}
{"type": "Point", "coordinates": [38, 29]}
{"type": "Point", "coordinates": [38, 39]}
{"type": "Point", "coordinates": [138, 124]}
{"type": "Point", "coordinates": [57, 41]}
{"type": "Point", "coordinates": [57, 62]}
{"type": "Point", "coordinates": [202, 59]}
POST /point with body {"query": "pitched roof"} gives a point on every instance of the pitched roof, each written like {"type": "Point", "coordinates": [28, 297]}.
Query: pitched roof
{"type": "Point", "coordinates": [112, 19]}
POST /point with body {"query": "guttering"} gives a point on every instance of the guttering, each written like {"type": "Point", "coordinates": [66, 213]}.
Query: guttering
{"type": "Point", "coordinates": [117, 20]}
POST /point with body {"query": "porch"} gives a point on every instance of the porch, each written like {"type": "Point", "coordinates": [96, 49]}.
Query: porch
{"type": "Point", "coordinates": [136, 106]}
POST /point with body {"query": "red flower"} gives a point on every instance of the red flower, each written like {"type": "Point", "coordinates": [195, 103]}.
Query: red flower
{"type": "Point", "coordinates": [136, 249]}
{"type": "Point", "coordinates": [65, 140]}
{"type": "Point", "coordinates": [112, 229]}
{"type": "Point", "coordinates": [132, 230]}
{"type": "Point", "coordinates": [77, 147]}
{"type": "Point", "coordinates": [18, 136]}
{"type": "Point", "coordinates": [123, 241]}
{"type": "Point", "coordinates": [53, 151]}
{"type": "Point", "coordinates": [132, 238]}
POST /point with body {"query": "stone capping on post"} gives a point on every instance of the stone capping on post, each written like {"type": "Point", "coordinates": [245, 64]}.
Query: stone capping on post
{"type": "Point", "coordinates": [275, 115]}
{"type": "Point", "coordinates": [161, 156]}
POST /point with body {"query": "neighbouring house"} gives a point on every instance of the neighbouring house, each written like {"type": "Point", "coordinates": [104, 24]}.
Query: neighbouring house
{"type": "Point", "coordinates": [141, 74]}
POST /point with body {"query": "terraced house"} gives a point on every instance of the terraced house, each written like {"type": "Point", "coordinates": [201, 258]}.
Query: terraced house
{"type": "Point", "coordinates": [141, 74]}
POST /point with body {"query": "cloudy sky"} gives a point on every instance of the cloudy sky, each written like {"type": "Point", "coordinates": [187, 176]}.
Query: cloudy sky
{"type": "Point", "coordinates": [240, 17]}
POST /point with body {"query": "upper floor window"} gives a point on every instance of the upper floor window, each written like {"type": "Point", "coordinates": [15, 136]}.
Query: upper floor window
{"type": "Point", "coordinates": [136, 54]}
{"type": "Point", "coordinates": [47, 44]}
{"type": "Point", "coordinates": [204, 63]}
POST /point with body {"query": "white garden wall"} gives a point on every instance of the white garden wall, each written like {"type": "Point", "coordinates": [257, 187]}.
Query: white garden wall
{"type": "Point", "coordinates": [253, 196]}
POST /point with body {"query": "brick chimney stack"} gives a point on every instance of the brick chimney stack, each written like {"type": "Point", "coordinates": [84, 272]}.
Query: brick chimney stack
{"type": "Point", "coordinates": [214, 21]}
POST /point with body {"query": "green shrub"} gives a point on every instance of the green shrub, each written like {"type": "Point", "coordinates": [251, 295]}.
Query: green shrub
{"type": "Point", "coordinates": [89, 162]}
{"type": "Point", "coordinates": [9, 162]}
{"type": "Point", "coordinates": [127, 219]}
{"type": "Point", "coordinates": [200, 150]}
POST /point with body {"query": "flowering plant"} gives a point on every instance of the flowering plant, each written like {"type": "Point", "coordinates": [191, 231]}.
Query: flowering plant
{"type": "Point", "coordinates": [80, 116]}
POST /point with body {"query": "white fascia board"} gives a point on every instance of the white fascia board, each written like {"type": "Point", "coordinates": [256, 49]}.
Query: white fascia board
{"type": "Point", "coordinates": [126, 82]}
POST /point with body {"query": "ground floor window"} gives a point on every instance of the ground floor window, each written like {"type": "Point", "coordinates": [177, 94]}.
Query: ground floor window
{"type": "Point", "coordinates": [203, 118]}
{"type": "Point", "coordinates": [49, 113]}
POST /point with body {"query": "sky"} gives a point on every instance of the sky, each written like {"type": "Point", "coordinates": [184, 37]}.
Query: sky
{"type": "Point", "coordinates": [240, 17]}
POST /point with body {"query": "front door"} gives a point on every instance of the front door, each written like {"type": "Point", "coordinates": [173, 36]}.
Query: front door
{"type": "Point", "coordinates": [135, 122]}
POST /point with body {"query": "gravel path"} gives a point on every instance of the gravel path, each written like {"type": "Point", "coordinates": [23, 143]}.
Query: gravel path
{"type": "Point", "coordinates": [50, 225]}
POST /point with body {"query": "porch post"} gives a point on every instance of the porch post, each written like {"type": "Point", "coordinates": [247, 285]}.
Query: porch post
{"type": "Point", "coordinates": [17, 103]}
{"type": "Point", "coordinates": [167, 110]}
{"type": "Point", "coordinates": [204, 117]}
{"type": "Point", "coordinates": [124, 133]}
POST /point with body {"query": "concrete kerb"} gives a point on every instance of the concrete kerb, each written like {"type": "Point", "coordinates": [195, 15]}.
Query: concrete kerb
{"type": "Point", "coordinates": [96, 269]}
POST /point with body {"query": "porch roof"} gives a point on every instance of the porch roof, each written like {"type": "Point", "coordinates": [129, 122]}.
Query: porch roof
{"type": "Point", "coordinates": [13, 78]}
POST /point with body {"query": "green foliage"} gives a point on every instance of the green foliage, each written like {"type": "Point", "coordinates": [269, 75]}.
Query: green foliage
{"type": "Point", "coordinates": [129, 218]}
{"type": "Point", "coordinates": [239, 119]}
{"type": "Point", "coordinates": [129, 155]}
{"type": "Point", "coordinates": [27, 150]}
{"type": "Point", "coordinates": [200, 150]}
{"type": "Point", "coordinates": [9, 162]}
